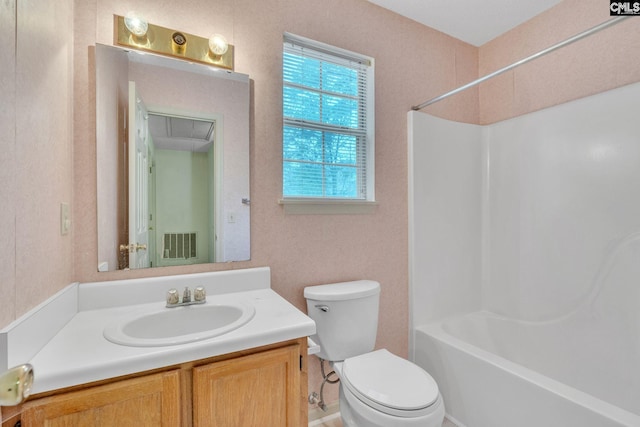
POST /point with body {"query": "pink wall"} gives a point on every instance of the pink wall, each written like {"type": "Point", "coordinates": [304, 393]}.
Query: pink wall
{"type": "Point", "coordinates": [112, 92]}
{"type": "Point", "coordinates": [8, 162]}
{"type": "Point", "coordinates": [36, 156]}
{"type": "Point", "coordinates": [608, 59]}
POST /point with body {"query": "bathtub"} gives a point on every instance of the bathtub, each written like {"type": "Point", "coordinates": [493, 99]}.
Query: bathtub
{"type": "Point", "coordinates": [497, 372]}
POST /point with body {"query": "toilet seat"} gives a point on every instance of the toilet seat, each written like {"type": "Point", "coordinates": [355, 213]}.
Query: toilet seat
{"type": "Point", "coordinates": [389, 384]}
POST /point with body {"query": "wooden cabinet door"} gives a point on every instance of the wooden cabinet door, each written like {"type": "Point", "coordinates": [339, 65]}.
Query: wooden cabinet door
{"type": "Point", "coordinates": [153, 400]}
{"type": "Point", "coordinates": [258, 390]}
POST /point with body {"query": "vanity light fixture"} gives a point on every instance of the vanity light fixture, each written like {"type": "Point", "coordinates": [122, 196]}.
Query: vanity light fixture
{"type": "Point", "coordinates": [218, 45]}
{"type": "Point", "coordinates": [178, 43]}
{"type": "Point", "coordinates": [135, 32]}
{"type": "Point", "coordinates": [136, 24]}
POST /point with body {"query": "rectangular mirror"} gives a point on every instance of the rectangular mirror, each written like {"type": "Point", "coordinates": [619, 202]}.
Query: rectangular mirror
{"type": "Point", "coordinates": [172, 141]}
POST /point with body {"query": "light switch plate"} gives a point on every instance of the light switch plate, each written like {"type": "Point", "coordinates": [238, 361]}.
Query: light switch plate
{"type": "Point", "coordinates": [65, 219]}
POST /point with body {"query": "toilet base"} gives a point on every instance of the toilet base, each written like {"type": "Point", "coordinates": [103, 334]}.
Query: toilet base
{"type": "Point", "coordinates": [354, 413]}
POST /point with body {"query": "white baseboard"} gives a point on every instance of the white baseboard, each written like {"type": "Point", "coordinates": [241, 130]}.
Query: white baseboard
{"type": "Point", "coordinates": [317, 416]}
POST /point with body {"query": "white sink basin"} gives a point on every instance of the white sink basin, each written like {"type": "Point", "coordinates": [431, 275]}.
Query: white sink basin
{"type": "Point", "coordinates": [178, 325]}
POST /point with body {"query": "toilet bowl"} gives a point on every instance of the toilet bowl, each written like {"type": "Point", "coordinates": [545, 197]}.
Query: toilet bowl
{"type": "Point", "coordinates": [380, 389]}
{"type": "Point", "coordinates": [377, 388]}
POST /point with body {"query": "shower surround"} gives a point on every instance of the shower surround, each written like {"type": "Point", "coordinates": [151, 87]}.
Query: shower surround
{"type": "Point", "coordinates": [524, 249]}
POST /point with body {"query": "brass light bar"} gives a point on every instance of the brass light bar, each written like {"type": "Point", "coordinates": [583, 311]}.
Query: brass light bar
{"type": "Point", "coordinates": [168, 42]}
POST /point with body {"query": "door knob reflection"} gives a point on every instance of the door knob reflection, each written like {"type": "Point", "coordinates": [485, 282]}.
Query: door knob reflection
{"type": "Point", "coordinates": [133, 247]}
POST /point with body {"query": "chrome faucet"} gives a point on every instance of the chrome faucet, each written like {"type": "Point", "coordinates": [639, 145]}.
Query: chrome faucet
{"type": "Point", "coordinates": [199, 297]}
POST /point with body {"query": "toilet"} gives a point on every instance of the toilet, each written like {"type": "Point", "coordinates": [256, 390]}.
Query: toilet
{"type": "Point", "coordinates": [377, 388]}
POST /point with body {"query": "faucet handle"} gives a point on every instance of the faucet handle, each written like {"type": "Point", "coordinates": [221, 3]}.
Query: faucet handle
{"type": "Point", "coordinates": [173, 297]}
{"type": "Point", "coordinates": [186, 295]}
{"type": "Point", "coordinates": [199, 294]}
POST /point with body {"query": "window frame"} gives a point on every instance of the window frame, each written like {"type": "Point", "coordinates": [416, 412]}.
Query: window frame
{"type": "Point", "coordinates": [323, 204]}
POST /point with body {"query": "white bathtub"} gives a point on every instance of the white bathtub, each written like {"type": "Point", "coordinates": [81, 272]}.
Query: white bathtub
{"type": "Point", "coordinates": [495, 372]}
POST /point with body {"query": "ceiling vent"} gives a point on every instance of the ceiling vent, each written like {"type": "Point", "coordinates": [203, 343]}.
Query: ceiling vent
{"type": "Point", "coordinates": [181, 133]}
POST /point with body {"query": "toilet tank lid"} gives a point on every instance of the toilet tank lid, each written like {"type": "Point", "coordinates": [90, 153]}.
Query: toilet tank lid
{"type": "Point", "coordinates": [342, 291]}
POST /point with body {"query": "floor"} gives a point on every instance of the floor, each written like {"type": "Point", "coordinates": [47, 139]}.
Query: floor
{"type": "Point", "coordinates": [337, 423]}
{"type": "Point", "coordinates": [334, 420]}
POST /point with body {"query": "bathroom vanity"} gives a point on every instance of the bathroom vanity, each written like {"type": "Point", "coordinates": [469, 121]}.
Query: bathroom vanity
{"type": "Point", "coordinates": [255, 374]}
{"type": "Point", "coordinates": [265, 386]}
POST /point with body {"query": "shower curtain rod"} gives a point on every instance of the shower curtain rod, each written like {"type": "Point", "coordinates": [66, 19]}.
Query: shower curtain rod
{"type": "Point", "coordinates": [568, 41]}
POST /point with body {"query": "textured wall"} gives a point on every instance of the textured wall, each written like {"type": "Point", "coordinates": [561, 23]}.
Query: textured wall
{"type": "Point", "coordinates": [8, 161]}
{"type": "Point", "coordinates": [36, 159]}
{"type": "Point", "coordinates": [603, 61]}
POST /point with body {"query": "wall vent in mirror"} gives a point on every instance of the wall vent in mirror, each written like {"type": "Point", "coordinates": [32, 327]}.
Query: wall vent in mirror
{"type": "Point", "coordinates": [180, 246]}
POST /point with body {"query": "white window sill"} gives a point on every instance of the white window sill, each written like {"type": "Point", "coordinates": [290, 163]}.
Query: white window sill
{"type": "Point", "coordinates": [327, 206]}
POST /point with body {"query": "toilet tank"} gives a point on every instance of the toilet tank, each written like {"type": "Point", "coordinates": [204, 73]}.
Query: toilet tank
{"type": "Point", "coordinates": [346, 316]}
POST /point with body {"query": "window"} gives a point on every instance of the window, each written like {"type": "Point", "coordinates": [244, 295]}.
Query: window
{"type": "Point", "coordinates": [328, 143]}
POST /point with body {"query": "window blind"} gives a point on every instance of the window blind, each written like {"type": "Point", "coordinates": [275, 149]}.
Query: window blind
{"type": "Point", "coordinates": [327, 111]}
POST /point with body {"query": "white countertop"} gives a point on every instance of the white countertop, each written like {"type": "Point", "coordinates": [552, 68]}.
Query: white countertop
{"type": "Point", "coordinates": [78, 353]}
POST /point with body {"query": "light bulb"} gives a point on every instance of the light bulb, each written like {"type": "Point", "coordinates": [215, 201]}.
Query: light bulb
{"type": "Point", "coordinates": [218, 44]}
{"type": "Point", "coordinates": [136, 24]}
{"type": "Point", "coordinates": [15, 385]}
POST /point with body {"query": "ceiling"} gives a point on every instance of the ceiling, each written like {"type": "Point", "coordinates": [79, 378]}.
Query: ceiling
{"type": "Point", "coordinates": [180, 133]}
{"type": "Point", "coordinates": [473, 21]}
